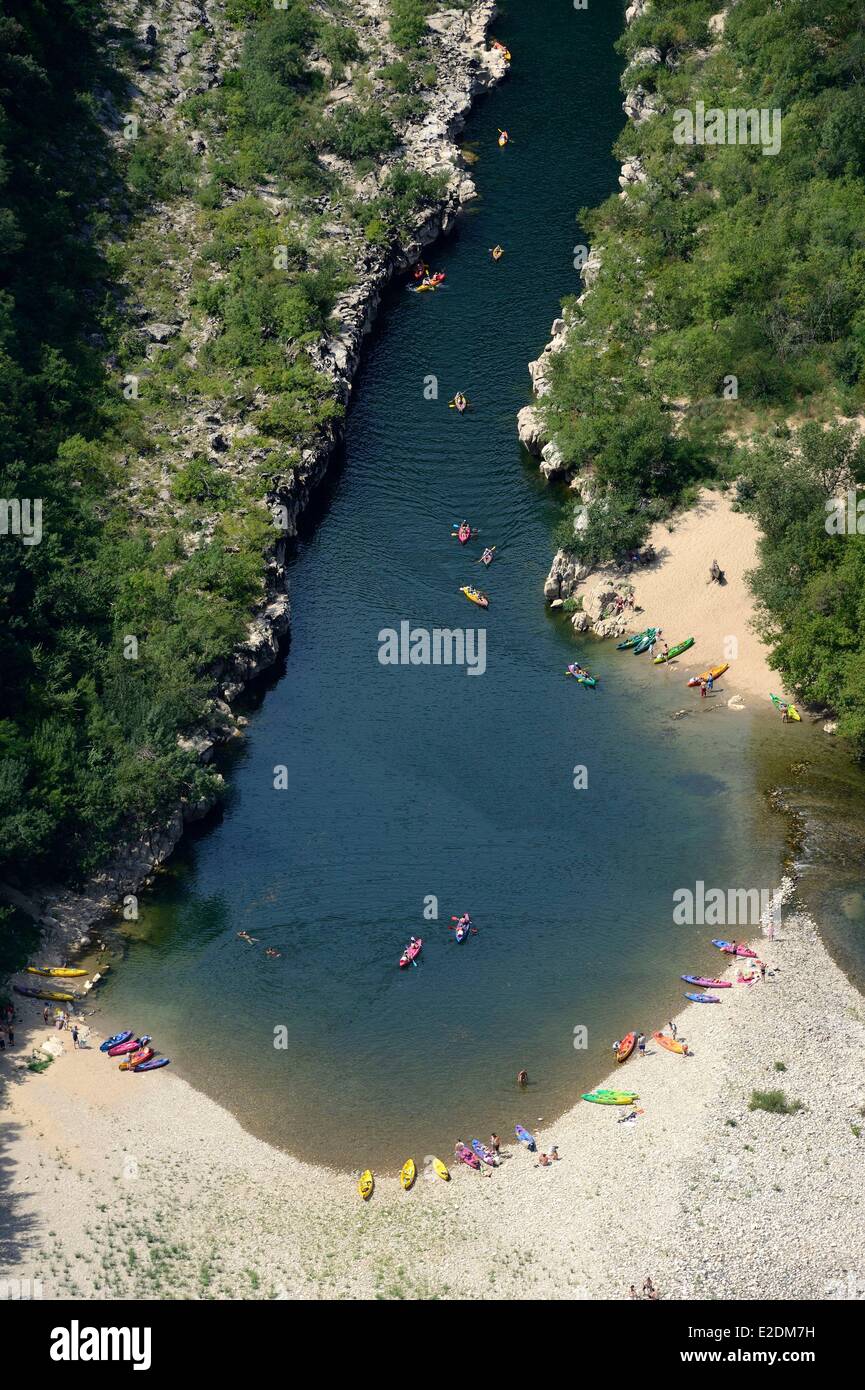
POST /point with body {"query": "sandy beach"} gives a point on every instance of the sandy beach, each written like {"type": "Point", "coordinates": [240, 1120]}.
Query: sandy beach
{"type": "Point", "coordinates": [675, 595]}
{"type": "Point", "coordinates": [116, 1185]}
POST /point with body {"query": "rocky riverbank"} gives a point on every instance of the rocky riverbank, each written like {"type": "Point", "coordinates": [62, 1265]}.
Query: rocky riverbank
{"type": "Point", "coordinates": [182, 51]}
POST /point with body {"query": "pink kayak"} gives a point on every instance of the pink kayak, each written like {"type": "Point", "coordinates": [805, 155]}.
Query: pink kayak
{"type": "Point", "coordinates": [732, 949]}
{"type": "Point", "coordinates": [412, 950]}
{"type": "Point", "coordinates": [466, 1156]}
{"type": "Point", "coordinates": [705, 983]}
{"type": "Point", "coordinates": [133, 1045]}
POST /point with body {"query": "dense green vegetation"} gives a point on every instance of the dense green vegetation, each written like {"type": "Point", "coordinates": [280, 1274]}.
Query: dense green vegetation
{"type": "Point", "coordinates": [811, 580]}
{"type": "Point", "coordinates": [142, 539]}
{"type": "Point", "coordinates": [731, 296]}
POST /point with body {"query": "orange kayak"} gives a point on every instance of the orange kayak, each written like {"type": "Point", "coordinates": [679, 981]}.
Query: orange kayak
{"type": "Point", "coordinates": [715, 672]}
{"type": "Point", "coordinates": [663, 1040]}
{"type": "Point", "coordinates": [626, 1047]}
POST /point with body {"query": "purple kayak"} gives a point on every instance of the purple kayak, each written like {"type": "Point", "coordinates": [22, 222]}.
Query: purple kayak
{"type": "Point", "coordinates": [703, 998]}
{"type": "Point", "coordinates": [152, 1064]}
{"type": "Point", "coordinates": [705, 983]}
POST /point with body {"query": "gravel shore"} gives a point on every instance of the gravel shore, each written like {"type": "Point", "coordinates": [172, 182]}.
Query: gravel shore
{"type": "Point", "coordinates": [115, 1185]}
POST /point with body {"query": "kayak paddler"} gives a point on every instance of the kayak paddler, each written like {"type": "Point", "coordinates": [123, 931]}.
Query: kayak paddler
{"type": "Point", "coordinates": [459, 402]}
{"type": "Point", "coordinates": [503, 138]}
{"type": "Point", "coordinates": [487, 556]}
{"type": "Point", "coordinates": [497, 252]}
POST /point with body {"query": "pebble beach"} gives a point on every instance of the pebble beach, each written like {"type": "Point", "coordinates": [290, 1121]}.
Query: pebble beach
{"type": "Point", "coordinates": [128, 1186]}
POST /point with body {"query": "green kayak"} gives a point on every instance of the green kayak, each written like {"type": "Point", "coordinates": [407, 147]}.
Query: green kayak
{"type": "Point", "coordinates": [611, 1097]}
{"type": "Point", "coordinates": [646, 640]}
{"type": "Point", "coordinates": [675, 651]}
{"type": "Point", "coordinates": [632, 641]}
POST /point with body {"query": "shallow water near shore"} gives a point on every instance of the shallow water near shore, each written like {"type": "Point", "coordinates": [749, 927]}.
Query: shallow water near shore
{"type": "Point", "coordinates": [406, 783]}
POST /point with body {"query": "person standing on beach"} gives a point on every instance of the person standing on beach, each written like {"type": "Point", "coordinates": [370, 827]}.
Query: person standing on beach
{"type": "Point", "coordinates": [710, 683]}
{"type": "Point", "coordinates": [672, 1027]}
{"type": "Point", "coordinates": [10, 1035]}
{"type": "Point", "coordinates": [703, 689]}
{"type": "Point", "coordinates": [75, 1037]}
{"type": "Point", "coordinates": [45, 1014]}
{"type": "Point", "coordinates": [616, 1046]}
{"type": "Point", "coordinates": [641, 1044]}
{"type": "Point", "coordinates": [495, 1143]}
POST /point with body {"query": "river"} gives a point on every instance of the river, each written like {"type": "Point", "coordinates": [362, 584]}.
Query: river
{"type": "Point", "coordinates": [412, 783]}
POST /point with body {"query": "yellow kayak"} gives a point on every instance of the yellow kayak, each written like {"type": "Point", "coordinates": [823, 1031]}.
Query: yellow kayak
{"type": "Point", "coordinates": [408, 1173]}
{"type": "Point", "coordinates": [57, 970]}
{"type": "Point", "coordinates": [366, 1184]}
{"type": "Point", "coordinates": [441, 1169]}
{"type": "Point", "coordinates": [715, 672]}
{"type": "Point", "coordinates": [475, 596]}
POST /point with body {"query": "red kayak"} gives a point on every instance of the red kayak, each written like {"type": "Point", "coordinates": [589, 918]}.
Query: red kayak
{"type": "Point", "coordinates": [412, 950]}
{"type": "Point", "coordinates": [133, 1045]}
{"type": "Point", "coordinates": [626, 1047]}
{"type": "Point", "coordinates": [466, 1156]}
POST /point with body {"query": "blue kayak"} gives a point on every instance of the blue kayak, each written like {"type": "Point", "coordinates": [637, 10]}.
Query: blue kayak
{"type": "Point", "coordinates": [152, 1064]}
{"type": "Point", "coordinates": [525, 1138]}
{"type": "Point", "coordinates": [703, 998]}
{"type": "Point", "coordinates": [113, 1042]}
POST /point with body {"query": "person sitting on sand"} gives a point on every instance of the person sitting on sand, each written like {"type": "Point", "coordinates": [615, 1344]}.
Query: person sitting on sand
{"type": "Point", "coordinates": [632, 1292]}
{"type": "Point", "coordinates": [554, 1153]}
{"type": "Point", "coordinates": [543, 1161]}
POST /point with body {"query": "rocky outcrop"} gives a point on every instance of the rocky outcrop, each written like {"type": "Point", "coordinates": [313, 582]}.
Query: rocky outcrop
{"type": "Point", "coordinates": [183, 49]}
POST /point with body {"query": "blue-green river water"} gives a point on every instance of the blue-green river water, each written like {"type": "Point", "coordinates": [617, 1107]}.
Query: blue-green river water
{"type": "Point", "coordinates": [409, 782]}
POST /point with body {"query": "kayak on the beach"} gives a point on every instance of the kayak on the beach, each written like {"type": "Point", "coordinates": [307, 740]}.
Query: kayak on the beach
{"type": "Point", "coordinates": [714, 672]}
{"type": "Point", "coordinates": [706, 983]}
{"type": "Point", "coordinates": [484, 1154]}
{"type": "Point", "coordinates": [131, 1045]}
{"type": "Point", "coordinates": [645, 641]}
{"type": "Point", "coordinates": [133, 1059]}
{"type": "Point", "coordinates": [634, 639]}
{"type": "Point", "coordinates": [441, 1169]}
{"type": "Point", "coordinates": [525, 1138]}
{"type": "Point", "coordinates": [792, 712]}
{"type": "Point", "coordinates": [626, 1047]}
{"type": "Point", "coordinates": [408, 1173]}
{"type": "Point", "coordinates": [45, 994]}
{"type": "Point", "coordinates": [732, 949]}
{"type": "Point", "coordinates": [674, 651]}
{"type": "Point", "coordinates": [475, 596]}
{"type": "Point", "coordinates": [365, 1185]}
{"type": "Point", "coordinates": [671, 1044]}
{"type": "Point", "coordinates": [465, 1155]}
{"type": "Point", "coordinates": [703, 998]}
{"type": "Point", "coordinates": [412, 950]}
{"type": "Point", "coordinates": [611, 1097]}
{"type": "Point", "coordinates": [153, 1065]}
{"type": "Point", "coordinates": [58, 970]}
{"type": "Point", "coordinates": [112, 1042]}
